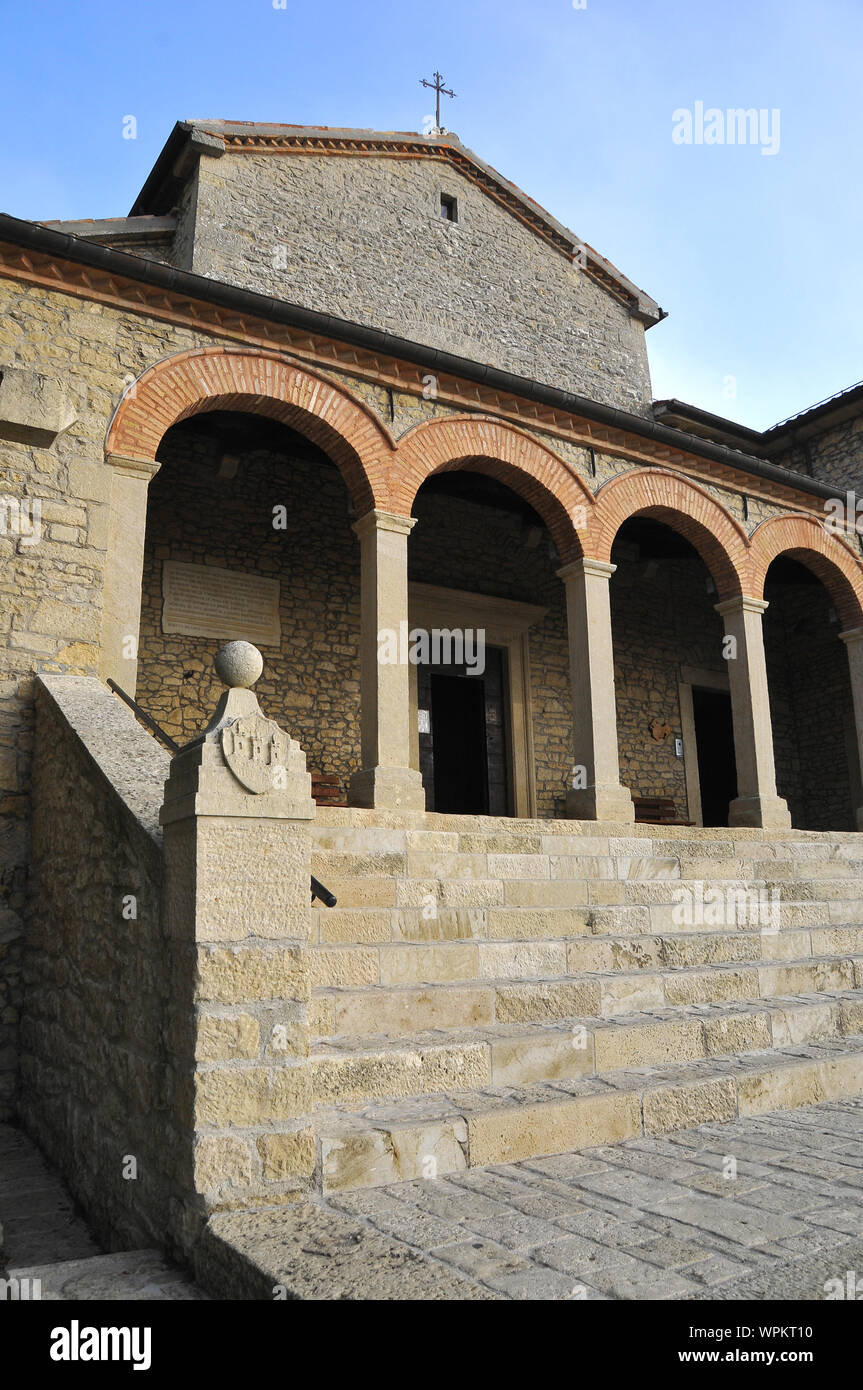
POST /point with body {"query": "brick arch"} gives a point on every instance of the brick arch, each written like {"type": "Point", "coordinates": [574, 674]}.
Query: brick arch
{"type": "Point", "coordinates": [262, 383]}
{"type": "Point", "coordinates": [509, 455]}
{"type": "Point", "coordinates": [686, 508]}
{"type": "Point", "coordinates": [829, 557]}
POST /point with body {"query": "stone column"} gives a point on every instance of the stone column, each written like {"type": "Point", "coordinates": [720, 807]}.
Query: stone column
{"type": "Point", "coordinates": [121, 614]}
{"type": "Point", "coordinates": [237, 914]}
{"type": "Point", "coordinates": [591, 667]}
{"type": "Point", "coordinates": [853, 640]}
{"type": "Point", "coordinates": [757, 803]}
{"type": "Point", "coordinates": [386, 778]}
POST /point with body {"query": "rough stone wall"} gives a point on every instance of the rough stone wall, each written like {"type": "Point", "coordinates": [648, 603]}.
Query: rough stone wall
{"type": "Point", "coordinates": [836, 456]}
{"type": "Point", "coordinates": [661, 620]}
{"type": "Point", "coordinates": [98, 1035]}
{"type": "Point", "coordinates": [363, 238]}
{"type": "Point", "coordinates": [810, 705]}
{"type": "Point", "coordinates": [311, 684]}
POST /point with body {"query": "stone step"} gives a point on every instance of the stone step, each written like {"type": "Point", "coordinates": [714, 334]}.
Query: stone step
{"type": "Point", "coordinates": [362, 832]}
{"type": "Point", "coordinates": [333, 825]}
{"type": "Point", "coordinates": [481, 961]}
{"type": "Point", "coordinates": [411, 1009]}
{"type": "Point", "coordinates": [353, 1070]}
{"type": "Point", "coordinates": [575, 862]}
{"type": "Point", "coordinates": [394, 1140]}
{"type": "Point", "coordinates": [360, 925]}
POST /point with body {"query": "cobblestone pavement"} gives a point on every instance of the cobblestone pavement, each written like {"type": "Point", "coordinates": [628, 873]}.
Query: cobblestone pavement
{"type": "Point", "coordinates": [760, 1208]}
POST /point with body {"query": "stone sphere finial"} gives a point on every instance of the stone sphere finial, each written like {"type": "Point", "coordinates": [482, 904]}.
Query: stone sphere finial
{"type": "Point", "coordinates": [239, 664]}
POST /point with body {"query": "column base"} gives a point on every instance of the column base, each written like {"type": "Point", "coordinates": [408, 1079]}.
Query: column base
{"type": "Point", "coordinates": [760, 812]}
{"type": "Point", "coordinates": [390, 788]}
{"type": "Point", "coordinates": [600, 803]}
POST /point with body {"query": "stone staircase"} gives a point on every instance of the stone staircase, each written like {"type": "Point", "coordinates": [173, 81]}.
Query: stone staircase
{"type": "Point", "coordinates": [489, 990]}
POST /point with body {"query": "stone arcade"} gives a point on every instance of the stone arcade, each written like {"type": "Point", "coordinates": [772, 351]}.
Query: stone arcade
{"type": "Point", "coordinates": [286, 401]}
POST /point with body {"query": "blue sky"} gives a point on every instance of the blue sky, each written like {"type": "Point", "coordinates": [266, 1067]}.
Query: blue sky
{"type": "Point", "coordinates": [756, 258]}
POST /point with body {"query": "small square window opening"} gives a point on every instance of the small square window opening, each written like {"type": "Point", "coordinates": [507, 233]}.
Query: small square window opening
{"type": "Point", "coordinates": [448, 207]}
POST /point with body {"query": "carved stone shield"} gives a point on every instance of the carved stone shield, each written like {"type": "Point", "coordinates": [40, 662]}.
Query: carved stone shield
{"type": "Point", "coordinates": [256, 751]}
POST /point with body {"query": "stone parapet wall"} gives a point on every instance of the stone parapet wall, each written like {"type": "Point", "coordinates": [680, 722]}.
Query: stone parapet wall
{"type": "Point", "coordinates": [164, 1044]}
{"type": "Point", "coordinates": [99, 1031]}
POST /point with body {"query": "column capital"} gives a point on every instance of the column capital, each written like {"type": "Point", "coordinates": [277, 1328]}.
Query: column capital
{"type": "Point", "coordinates": [852, 636]}
{"type": "Point", "coordinates": [144, 469]}
{"type": "Point", "coordinates": [741, 603]}
{"type": "Point", "coordinates": [384, 521]}
{"type": "Point", "coordinates": [585, 565]}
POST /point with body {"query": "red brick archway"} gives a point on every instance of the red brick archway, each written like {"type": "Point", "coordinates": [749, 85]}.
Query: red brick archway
{"type": "Point", "coordinates": [265, 384]}
{"type": "Point", "coordinates": [509, 455]}
{"type": "Point", "coordinates": [686, 508]}
{"type": "Point", "coordinates": [829, 557]}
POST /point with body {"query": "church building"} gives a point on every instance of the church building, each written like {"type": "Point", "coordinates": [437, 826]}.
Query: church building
{"type": "Point", "coordinates": [549, 647]}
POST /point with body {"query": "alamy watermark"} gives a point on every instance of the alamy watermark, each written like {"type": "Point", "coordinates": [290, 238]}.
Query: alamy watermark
{"type": "Point", "coordinates": [844, 514]}
{"type": "Point", "coordinates": [851, 1287]}
{"type": "Point", "coordinates": [698, 905]}
{"type": "Point", "coordinates": [14, 1290]}
{"type": "Point", "coordinates": [437, 646]}
{"type": "Point", "coordinates": [21, 517]}
{"type": "Point", "coordinates": [735, 126]}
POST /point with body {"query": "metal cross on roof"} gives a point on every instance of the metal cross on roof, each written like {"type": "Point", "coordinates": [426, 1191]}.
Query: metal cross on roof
{"type": "Point", "coordinates": [437, 87]}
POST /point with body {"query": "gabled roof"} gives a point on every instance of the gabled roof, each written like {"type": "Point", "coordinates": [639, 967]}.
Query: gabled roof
{"type": "Point", "coordinates": [189, 139]}
{"type": "Point", "coordinates": [806, 424]}
{"type": "Point", "coordinates": [833, 410]}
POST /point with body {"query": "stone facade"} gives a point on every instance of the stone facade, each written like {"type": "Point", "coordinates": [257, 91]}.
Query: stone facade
{"type": "Point", "coordinates": [54, 590]}
{"type": "Point", "coordinates": [486, 288]}
{"type": "Point", "coordinates": [189, 1038]}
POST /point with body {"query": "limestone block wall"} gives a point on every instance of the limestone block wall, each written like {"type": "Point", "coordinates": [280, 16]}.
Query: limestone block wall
{"type": "Point", "coordinates": [362, 238]}
{"type": "Point", "coordinates": [102, 1010]}
{"type": "Point", "coordinates": [237, 909]}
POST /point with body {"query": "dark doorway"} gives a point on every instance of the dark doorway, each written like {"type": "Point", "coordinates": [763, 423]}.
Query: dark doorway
{"type": "Point", "coordinates": [463, 756]}
{"type": "Point", "coordinates": [714, 740]}
{"type": "Point", "coordinates": [458, 721]}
